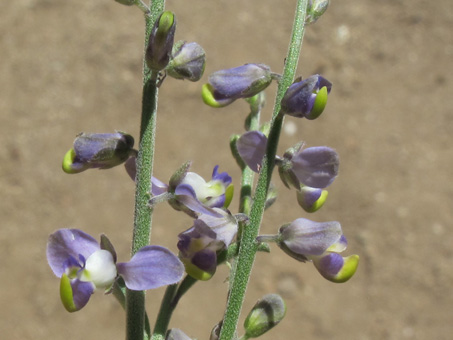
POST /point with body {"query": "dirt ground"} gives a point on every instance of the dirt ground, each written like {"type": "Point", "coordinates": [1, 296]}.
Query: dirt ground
{"type": "Point", "coordinates": [72, 66]}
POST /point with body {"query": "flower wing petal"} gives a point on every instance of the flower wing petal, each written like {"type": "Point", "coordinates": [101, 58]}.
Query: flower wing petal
{"type": "Point", "coordinates": [151, 267]}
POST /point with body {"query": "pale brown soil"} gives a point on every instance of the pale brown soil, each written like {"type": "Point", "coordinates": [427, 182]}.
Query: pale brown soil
{"type": "Point", "coordinates": [72, 66]}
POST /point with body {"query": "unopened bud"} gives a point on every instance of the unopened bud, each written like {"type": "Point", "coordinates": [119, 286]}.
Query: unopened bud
{"type": "Point", "coordinates": [98, 150]}
{"type": "Point", "coordinates": [160, 42]}
{"type": "Point", "coordinates": [187, 61]}
{"type": "Point", "coordinates": [266, 314]}
{"type": "Point", "coordinates": [316, 9]}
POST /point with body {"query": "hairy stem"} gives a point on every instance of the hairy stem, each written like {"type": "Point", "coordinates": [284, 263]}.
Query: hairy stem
{"type": "Point", "coordinates": [248, 244]}
{"type": "Point", "coordinates": [135, 300]}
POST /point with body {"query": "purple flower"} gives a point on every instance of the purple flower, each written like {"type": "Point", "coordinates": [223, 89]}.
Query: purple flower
{"type": "Point", "coordinates": [225, 86]}
{"type": "Point", "coordinates": [190, 193]}
{"type": "Point", "coordinates": [84, 265]}
{"type": "Point", "coordinates": [306, 98]}
{"type": "Point", "coordinates": [315, 167]}
{"type": "Point", "coordinates": [198, 246]}
{"type": "Point", "coordinates": [98, 150]}
{"type": "Point", "coordinates": [320, 242]}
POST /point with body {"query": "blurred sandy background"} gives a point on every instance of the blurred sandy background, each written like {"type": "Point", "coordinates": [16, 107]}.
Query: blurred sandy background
{"type": "Point", "coordinates": [72, 66]}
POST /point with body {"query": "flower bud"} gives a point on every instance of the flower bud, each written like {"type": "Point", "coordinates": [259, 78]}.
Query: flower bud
{"type": "Point", "coordinates": [187, 61]}
{"type": "Point", "coordinates": [98, 150]}
{"type": "Point", "coordinates": [266, 314]}
{"type": "Point", "coordinates": [225, 86]}
{"type": "Point", "coordinates": [306, 98]}
{"type": "Point", "coordinates": [316, 8]}
{"type": "Point", "coordinates": [160, 42]}
{"type": "Point", "coordinates": [311, 199]}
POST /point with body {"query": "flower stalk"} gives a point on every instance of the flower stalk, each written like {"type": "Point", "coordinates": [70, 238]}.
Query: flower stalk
{"type": "Point", "coordinates": [248, 245]}
{"type": "Point", "coordinates": [135, 300]}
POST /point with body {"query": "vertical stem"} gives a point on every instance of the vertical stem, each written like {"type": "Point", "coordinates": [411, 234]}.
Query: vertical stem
{"type": "Point", "coordinates": [248, 245]}
{"type": "Point", "coordinates": [135, 300]}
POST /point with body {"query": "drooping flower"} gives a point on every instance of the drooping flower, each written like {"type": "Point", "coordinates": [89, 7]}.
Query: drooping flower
{"type": "Point", "coordinates": [315, 167]}
{"type": "Point", "coordinates": [306, 98]}
{"type": "Point", "coordinates": [225, 86]}
{"type": "Point", "coordinates": [98, 151]}
{"type": "Point", "coordinates": [321, 243]}
{"type": "Point", "coordinates": [199, 245]}
{"type": "Point", "coordinates": [83, 265]}
{"type": "Point", "coordinates": [187, 61]}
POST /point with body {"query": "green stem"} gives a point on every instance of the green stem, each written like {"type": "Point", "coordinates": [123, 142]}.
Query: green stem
{"type": "Point", "coordinates": [169, 302]}
{"type": "Point", "coordinates": [248, 245]}
{"type": "Point", "coordinates": [165, 312]}
{"type": "Point", "coordinates": [135, 300]}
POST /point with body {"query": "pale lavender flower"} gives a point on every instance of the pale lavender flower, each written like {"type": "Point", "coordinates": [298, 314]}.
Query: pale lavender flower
{"type": "Point", "coordinates": [84, 265]}
{"type": "Point", "coordinates": [320, 242]}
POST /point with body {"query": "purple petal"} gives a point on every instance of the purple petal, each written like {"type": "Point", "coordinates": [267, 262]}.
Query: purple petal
{"type": "Point", "coordinates": [225, 227]}
{"type": "Point", "coordinates": [329, 265]}
{"type": "Point", "coordinates": [158, 187]}
{"type": "Point", "coordinates": [206, 260]}
{"type": "Point", "coordinates": [131, 167]}
{"type": "Point", "coordinates": [186, 196]}
{"type": "Point", "coordinates": [307, 237]}
{"type": "Point", "coordinates": [252, 148]}
{"type": "Point", "coordinates": [151, 267]}
{"type": "Point", "coordinates": [82, 292]}
{"type": "Point", "coordinates": [316, 167]}
{"type": "Point", "coordinates": [224, 177]}
{"type": "Point", "coordinates": [67, 243]}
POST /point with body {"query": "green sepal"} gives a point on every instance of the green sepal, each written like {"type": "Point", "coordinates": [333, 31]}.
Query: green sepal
{"type": "Point", "coordinates": [319, 104]}
{"type": "Point", "coordinates": [66, 295]}
{"type": "Point", "coordinates": [179, 175]}
{"type": "Point", "coordinates": [235, 152]}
